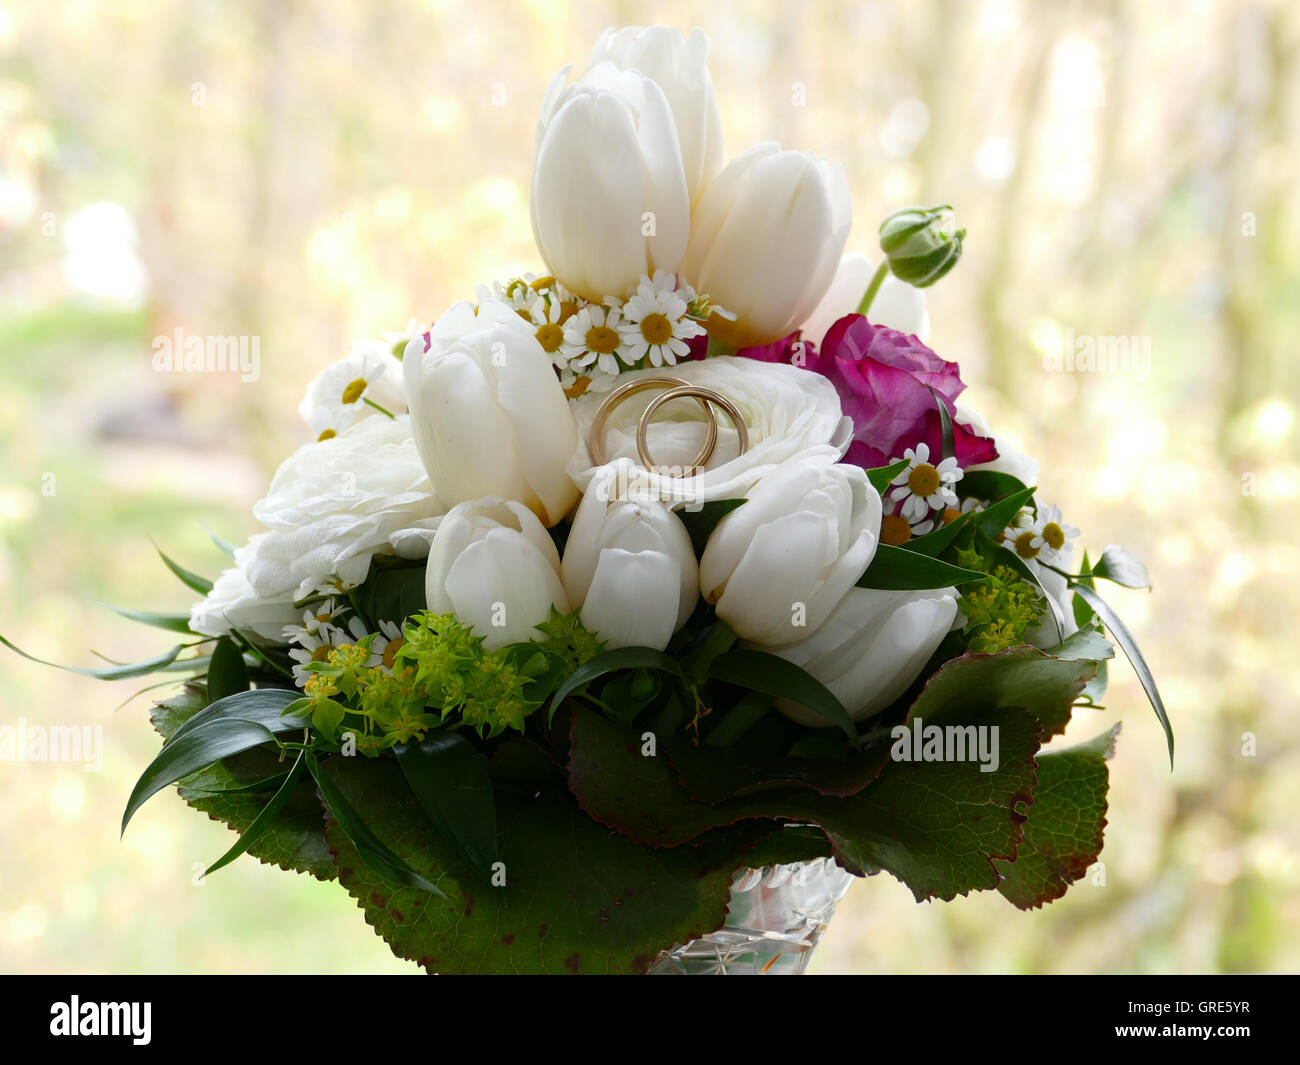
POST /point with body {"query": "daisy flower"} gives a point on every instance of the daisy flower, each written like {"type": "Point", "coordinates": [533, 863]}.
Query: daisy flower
{"type": "Point", "coordinates": [548, 317]}
{"type": "Point", "coordinates": [1053, 538]}
{"type": "Point", "coordinates": [922, 486]}
{"type": "Point", "coordinates": [592, 340]}
{"type": "Point", "coordinates": [389, 640]}
{"type": "Point", "coordinates": [314, 619]}
{"type": "Point", "coordinates": [366, 382]}
{"type": "Point", "coordinates": [316, 647]}
{"type": "Point", "coordinates": [656, 323]}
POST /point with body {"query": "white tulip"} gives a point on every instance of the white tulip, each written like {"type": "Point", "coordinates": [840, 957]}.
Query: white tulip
{"type": "Point", "coordinates": [609, 197]}
{"type": "Point", "coordinates": [766, 239]}
{"type": "Point", "coordinates": [778, 565]}
{"type": "Point", "coordinates": [679, 66]}
{"type": "Point", "coordinates": [1046, 633]}
{"type": "Point", "coordinates": [897, 305]}
{"type": "Point", "coordinates": [786, 409]}
{"type": "Point", "coordinates": [495, 567]}
{"type": "Point", "coordinates": [871, 648]}
{"type": "Point", "coordinates": [630, 563]}
{"type": "Point", "coordinates": [489, 415]}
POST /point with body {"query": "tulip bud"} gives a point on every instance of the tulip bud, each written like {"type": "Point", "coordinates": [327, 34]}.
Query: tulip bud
{"type": "Point", "coordinates": [766, 239]}
{"type": "Point", "coordinates": [873, 645]}
{"type": "Point", "coordinates": [920, 244]}
{"type": "Point", "coordinates": [488, 414]}
{"type": "Point", "coordinates": [630, 563]}
{"type": "Point", "coordinates": [495, 567]}
{"type": "Point", "coordinates": [777, 565]}
{"type": "Point", "coordinates": [609, 195]}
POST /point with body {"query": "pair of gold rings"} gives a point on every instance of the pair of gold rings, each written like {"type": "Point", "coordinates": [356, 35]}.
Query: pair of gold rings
{"type": "Point", "coordinates": [676, 388]}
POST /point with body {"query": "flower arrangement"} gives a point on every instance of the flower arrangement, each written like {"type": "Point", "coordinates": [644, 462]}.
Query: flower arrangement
{"type": "Point", "coordinates": [678, 559]}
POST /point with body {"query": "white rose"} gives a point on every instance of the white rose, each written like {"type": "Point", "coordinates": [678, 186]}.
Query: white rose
{"type": "Point", "coordinates": [609, 197]}
{"type": "Point", "coordinates": [489, 415]}
{"type": "Point", "coordinates": [232, 604]}
{"type": "Point", "coordinates": [766, 238]}
{"type": "Point", "coordinates": [679, 66]}
{"type": "Point", "coordinates": [786, 409]}
{"type": "Point", "coordinates": [873, 645]}
{"type": "Point", "coordinates": [779, 564]}
{"type": "Point", "coordinates": [897, 305]}
{"type": "Point", "coordinates": [494, 566]}
{"type": "Point", "coordinates": [334, 504]}
{"type": "Point", "coordinates": [630, 563]}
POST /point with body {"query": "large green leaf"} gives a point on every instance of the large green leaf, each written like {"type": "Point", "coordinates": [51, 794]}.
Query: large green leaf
{"type": "Point", "coordinates": [227, 674]}
{"type": "Point", "coordinates": [896, 569]}
{"type": "Point", "coordinates": [392, 591]}
{"type": "Point", "coordinates": [233, 791]}
{"type": "Point", "coordinates": [611, 662]}
{"type": "Point", "coordinates": [263, 705]}
{"type": "Point", "coordinates": [171, 622]}
{"type": "Point", "coordinates": [449, 779]}
{"type": "Point", "coordinates": [1063, 836]}
{"type": "Point", "coordinates": [936, 825]}
{"type": "Point", "coordinates": [265, 820]}
{"type": "Point", "coordinates": [576, 897]}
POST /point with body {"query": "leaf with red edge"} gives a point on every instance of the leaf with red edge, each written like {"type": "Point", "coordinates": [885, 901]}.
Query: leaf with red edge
{"type": "Point", "coordinates": [1066, 826]}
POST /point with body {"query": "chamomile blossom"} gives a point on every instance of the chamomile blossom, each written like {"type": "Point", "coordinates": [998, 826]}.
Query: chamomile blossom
{"type": "Point", "coordinates": [387, 642]}
{"type": "Point", "coordinates": [366, 382]}
{"type": "Point", "coordinates": [923, 486]}
{"type": "Point", "coordinates": [592, 340]}
{"type": "Point", "coordinates": [316, 647]}
{"type": "Point", "coordinates": [314, 618]}
{"type": "Point", "coordinates": [1052, 537]}
{"type": "Point", "coordinates": [656, 323]}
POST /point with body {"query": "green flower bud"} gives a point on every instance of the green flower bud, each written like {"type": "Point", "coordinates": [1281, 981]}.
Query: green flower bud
{"type": "Point", "coordinates": [921, 244]}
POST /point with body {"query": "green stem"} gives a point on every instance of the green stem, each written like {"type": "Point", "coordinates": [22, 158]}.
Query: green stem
{"type": "Point", "coordinates": [367, 399]}
{"type": "Point", "coordinates": [717, 347]}
{"type": "Point", "coordinates": [877, 279]}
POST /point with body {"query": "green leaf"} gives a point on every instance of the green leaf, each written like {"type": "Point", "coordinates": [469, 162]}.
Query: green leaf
{"type": "Point", "coordinates": [230, 791]}
{"type": "Point", "coordinates": [225, 548]}
{"type": "Point", "coordinates": [191, 580]}
{"type": "Point", "coordinates": [1122, 567]}
{"type": "Point", "coordinates": [264, 706]}
{"type": "Point", "coordinates": [775, 676]}
{"type": "Point", "coordinates": [1063, 836]}
{"type": "Point", "coordinates": [996, 517]}
{"type": "Point", "coordinates": [945, 425]}
{"type": "Point", "coordinates": [701, 521]}
{"type": "Point", "coordinates": [449, 779]}
{"type": "Point", "coordinates": [881, 476]}
{"type": "Point", "coordinates": [1134, 654]}
{"type": "Point", "coordinates": [114, 672]}
{"type": "Point", "coordinates": [195, 750]}
{"type": "Point", "coordinates": [610, 662]}
{"type": "Point", "coordinates": [739, 720]}
{"type": "Point", "coordinates": [392, 591]}
{"type": "Point", "coordinates": [170, 622]}
{"type": "Point", "coordinates": [227, 674]}
{"type": "Point", "coordinates": [575, 898]}
{"type": "Point", "coordinates": [263, 822]}
{"type": "Point", "coordinates": [896, 569]}
{"type": "Point", "coordinates": [990, 485]}
{"type": "Point", "coordinates": [370, 847]}
{"type": "Point", "coordinates": [937, 540]}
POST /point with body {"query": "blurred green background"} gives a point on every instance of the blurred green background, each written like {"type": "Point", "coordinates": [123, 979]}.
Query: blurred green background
{"type": "Point", "coordinates": [313, 172]}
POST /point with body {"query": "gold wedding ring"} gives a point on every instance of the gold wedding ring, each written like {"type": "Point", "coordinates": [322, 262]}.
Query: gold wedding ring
{"type": "Point", "coordinates": [606, 408]}
{"type": "Point", "coordinates": [705, 395]}
{"type": "Point", "coordinates": [676, 388]}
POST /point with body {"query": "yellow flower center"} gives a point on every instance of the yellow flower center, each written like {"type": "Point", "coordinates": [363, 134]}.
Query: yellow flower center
{"type": "Point", "coordinates": [353, 392]}
{"type": "Point", "coordinates": [326, 434]}
{"type": "Point", "coordinates": [1054, 536]}
{"type": "Point", "coordinates": [568, 308]}
{"type": "Point", "coordinates": [894, 530]}
{"type": "Point", "coordinates": [1024, 545]}
{"type": "Point", "coordinates": [950, 515]}
{"type": "Point", "coordinates": [322, 653]}
{"type": "Point", "coordinates": [524, 313]}
{"type": "Point", "coordinates": [923, 480]}
{"type": "Point", "coordinates": [578, 387]}
{"type": "Point", "coordinates": [656, 328]}
{"type": "Point", "coordinates": [602, 340]}
{"type": "Point", "coordinates": [322, 618]}
{"type": "Point", "coordinates": [550, 336]}
{"type": "Point", "coordinates": [390, 652]}
{"type": "Point", "coordinates": [543, 283]}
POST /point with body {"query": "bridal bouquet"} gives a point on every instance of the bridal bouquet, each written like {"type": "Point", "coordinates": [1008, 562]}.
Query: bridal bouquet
{"type": "Point", "coordinates": [679, 558]}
